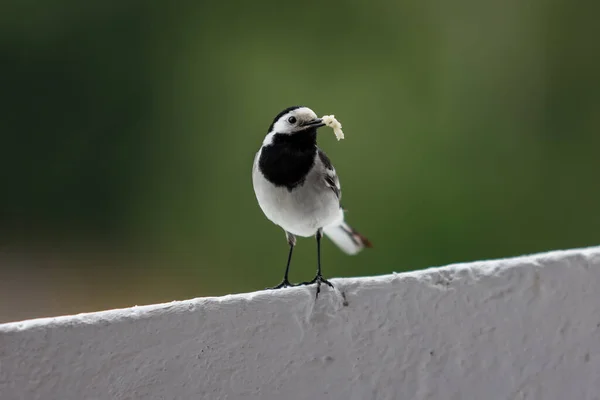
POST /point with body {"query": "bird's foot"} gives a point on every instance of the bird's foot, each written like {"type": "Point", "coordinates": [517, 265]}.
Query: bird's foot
{"type": "Point", "coordinates": [285, 283]}
{"type": "Point", "coordinates": [318, 280]}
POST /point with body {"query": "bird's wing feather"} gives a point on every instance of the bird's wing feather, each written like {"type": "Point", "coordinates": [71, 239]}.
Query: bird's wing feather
{"type": "Point", "coordinates": [330, 176]}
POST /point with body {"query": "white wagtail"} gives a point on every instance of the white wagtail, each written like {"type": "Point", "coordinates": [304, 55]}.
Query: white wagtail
{"type": "Point", "coordinates": [298, 189]}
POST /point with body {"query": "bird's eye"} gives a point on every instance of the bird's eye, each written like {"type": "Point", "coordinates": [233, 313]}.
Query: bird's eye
{"type": "Point", "coordinates": [292, 120]}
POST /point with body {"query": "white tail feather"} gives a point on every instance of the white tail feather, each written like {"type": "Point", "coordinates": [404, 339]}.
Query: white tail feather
{"type": "Point", "coordinates": [346, 238]}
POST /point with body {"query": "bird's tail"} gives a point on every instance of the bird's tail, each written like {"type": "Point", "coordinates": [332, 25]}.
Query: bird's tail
{"type": "Point", "coordinates": [346, 238]}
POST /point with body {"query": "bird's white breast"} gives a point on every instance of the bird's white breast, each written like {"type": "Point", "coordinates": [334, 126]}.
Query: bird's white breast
{"type": "Point", "coordinates": [302, 211]}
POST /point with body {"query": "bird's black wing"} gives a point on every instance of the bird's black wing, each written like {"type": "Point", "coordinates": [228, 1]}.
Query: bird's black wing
{"type": "Point", "coordinates": [330, 176]}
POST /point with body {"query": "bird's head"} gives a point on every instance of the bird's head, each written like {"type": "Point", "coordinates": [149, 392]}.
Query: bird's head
{"type": "Point", "coordinates": [294, 120]}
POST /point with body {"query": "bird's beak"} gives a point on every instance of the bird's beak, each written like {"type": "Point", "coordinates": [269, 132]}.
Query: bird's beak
{"type": "Point", "coordinates": [315, 123]}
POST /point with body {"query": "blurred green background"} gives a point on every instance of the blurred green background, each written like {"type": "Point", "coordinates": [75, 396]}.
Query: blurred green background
{"type": "Point", "coordinates": [128, 131]}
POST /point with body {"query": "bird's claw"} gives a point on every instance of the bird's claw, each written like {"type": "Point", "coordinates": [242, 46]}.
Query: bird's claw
{"type": "Point", "coordinates": [318, 280]}
{"type": "Point", "coordinates": [285, 283]}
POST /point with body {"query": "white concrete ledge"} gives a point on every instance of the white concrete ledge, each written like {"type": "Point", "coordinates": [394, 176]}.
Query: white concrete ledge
{"type": "Point", "coordinates": [522, 328]}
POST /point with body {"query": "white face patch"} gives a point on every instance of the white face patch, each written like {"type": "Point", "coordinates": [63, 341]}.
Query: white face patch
{"type": "Point", "coordinates": [292, 121]}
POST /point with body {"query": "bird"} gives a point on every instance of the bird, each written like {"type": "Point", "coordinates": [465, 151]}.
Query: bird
{"type": "Point", "coordinates": [298, 189]}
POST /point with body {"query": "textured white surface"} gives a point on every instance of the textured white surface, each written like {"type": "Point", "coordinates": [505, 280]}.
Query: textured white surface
{"type": "Point", "coordinates": [523, 328]}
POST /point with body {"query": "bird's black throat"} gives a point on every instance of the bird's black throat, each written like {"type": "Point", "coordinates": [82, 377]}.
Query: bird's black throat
{"type": "Point", "coordinates": [289, 158]}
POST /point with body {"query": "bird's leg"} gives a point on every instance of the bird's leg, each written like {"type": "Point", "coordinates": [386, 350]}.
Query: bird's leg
{"type": "Point", "coordinates": [286, 283]}
{"type": "Point", "coordinates": [319, 278]}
